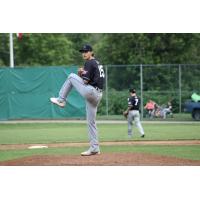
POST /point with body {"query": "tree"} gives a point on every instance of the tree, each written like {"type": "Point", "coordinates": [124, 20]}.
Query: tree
{"type": "Point", "coordinates": [4, 49]}
{"type": "Point", "coordinates": [148, 48]}
{"type": "Point", "coordinates": [43, 50]}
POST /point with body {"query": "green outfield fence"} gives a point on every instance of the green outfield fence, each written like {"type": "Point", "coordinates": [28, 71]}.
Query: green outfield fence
{"type": "Point", "coordinates": [159, 82]}
{"type": "Point", "coordinates": [25, 93]}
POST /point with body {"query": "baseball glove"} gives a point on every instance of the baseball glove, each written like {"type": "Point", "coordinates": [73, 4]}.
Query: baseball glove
{"type": "Point", "coordinates": [80, 71]}
{"type": "Point", "coordinates": [125, 113]}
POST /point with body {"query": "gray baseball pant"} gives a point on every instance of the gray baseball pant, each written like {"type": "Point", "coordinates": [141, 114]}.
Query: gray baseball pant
{"type": "Point", "coordinates": [134, 115]}
{"type": "Point", "coordinates": [92, 98]}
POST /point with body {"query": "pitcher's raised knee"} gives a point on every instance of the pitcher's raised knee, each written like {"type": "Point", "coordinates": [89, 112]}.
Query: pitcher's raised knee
{"type": "Point", "coordinates": [72, 75]}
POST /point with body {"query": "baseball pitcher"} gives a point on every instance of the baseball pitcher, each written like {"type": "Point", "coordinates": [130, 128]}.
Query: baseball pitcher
{"type": "Point", "coordinates": [89, 83]}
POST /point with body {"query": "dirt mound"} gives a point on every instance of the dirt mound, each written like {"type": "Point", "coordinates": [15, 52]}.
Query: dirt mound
{"type": "Point", "coordinates": [104, 159]}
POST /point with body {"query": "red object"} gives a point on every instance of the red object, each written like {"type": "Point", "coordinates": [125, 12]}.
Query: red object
{"type": "Point", "coordinates": [19, 35]}
{"type": "Point", "coordinates": [150, 105]}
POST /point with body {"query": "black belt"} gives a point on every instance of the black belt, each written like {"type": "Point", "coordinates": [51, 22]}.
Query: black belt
{"type": "Point", "coordinates": [99, 90]}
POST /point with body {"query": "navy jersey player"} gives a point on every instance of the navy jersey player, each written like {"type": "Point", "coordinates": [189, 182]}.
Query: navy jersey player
{"type": "Point", "coordinates": [133, 113]}
{"type": "Point", "coordinates": [89, 83]}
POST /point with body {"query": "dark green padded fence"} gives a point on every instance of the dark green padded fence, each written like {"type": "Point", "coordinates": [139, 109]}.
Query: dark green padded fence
{"type": "Point", "coordinates": [25, 93]}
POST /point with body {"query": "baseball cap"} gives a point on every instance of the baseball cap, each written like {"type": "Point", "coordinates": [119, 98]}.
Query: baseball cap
{"type": "Point", "coordinates": [132, 90]}
{"type": "Point", "coordinates": [85, 48]}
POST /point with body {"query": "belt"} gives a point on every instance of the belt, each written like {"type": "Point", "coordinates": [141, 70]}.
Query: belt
{"type": "Point", "coordinates": [99, 90]}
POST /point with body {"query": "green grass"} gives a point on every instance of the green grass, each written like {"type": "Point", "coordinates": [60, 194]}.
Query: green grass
{"type": "Point", "coordinates": [64, 132]}
{"type": "Point", "coordinates": [13, 154]}
{"type": "Point", "coordinates": [41, 133]}
{"type": "Point", "coordinates": [56, 132]}
{"type": "Point", "coordinates": [187, 152]}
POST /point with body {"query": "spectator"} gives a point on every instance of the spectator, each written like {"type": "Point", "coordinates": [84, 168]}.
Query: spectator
{"type": "Point", "coordinates": [150, 107]}
{"type": "Point", "coordinates": [167, 110]}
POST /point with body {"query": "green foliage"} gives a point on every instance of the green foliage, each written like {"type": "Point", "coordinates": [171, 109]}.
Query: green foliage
{"type": "Point", "coordinates": [4, 49]}
{"type": "Point", "coordinates": [117, 100]}
{"type": "Point", "coordinates": [43, 50]}
{"type": "Point", "coordinates": [160, 48]}
{"type": "Point", "coordinates": [149, 48]}
{"type": "Point", "coordinates": [36, 49]}
{"type": "Point", "coordinates": [115, 48]}
{"type": "Point", "coordinates": [46, 49]}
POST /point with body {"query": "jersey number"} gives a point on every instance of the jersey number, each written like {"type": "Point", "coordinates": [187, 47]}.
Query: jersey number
{"type": "Point", "coordinates": [101, 72]}
{"type": "Point", "coordinates": [136, 102]}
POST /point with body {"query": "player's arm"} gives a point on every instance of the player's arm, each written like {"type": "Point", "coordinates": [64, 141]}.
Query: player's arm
{"type": "Point", "coordinates": [87, 73]}
{"type": "Point", "coordinates": [86, 81]}
{"type": "Point", "coordinates": [130, 105]}
{"type": "Point", "coordinates": [129, 108]}
{"type": "Point", "coordinates": [80, 73]}
{"type": "Point", "coordinates": [125, 113]}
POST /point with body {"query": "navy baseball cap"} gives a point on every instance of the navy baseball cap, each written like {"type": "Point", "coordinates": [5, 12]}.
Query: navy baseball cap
{"type": "Point", "coordinates": [132, 90]}
{"type": "Point", "coordinates": [85, 48]}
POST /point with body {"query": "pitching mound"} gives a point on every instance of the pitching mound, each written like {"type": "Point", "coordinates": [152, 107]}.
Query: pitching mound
{"type": "Point", "coordinates": [105, 159]}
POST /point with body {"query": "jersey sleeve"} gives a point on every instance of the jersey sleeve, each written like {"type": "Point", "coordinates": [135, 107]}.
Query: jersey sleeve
{"type": "Point", "coordinates": [129, 102]}
{"type": "Point", "coordinates": [86, 75]}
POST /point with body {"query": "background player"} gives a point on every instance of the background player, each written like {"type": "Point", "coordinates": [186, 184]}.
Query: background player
{"type": "Point", "coordinates": [89, 83]}
{"type": "Point", "coordinates": [132, 113]}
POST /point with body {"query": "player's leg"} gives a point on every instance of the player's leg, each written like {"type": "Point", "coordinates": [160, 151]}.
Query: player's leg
{"type": "Point", "coordinates": [91, 111]}
{"type": "Point", "coordinates": [92, 101]}
{"type": "Point", "coordinates": [75, 81]}
{"type": "Point", "coordinates": [92, 128]}
{"type": "Point", "coordinates": [138, 123]}
{"type": "Point", "coordinates": [65, 89]}
{"type": "Point", "coordinates": [85, 90]}
{"type": "Point", "coordinates": [130, 123]}
{"type": "Point", "coordinates": [166, 111]}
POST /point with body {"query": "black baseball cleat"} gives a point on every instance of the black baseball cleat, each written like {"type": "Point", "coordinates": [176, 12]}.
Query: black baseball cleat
{"type": "Point", "coordinates": [142, 136]}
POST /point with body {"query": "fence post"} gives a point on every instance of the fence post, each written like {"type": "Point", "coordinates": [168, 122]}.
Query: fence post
{"type": "Point", "coordinates": [11, 51]}
{"type": "Point", "coordinates": [106, 90]}
{"type": "Point", "coordinates": [180, 92]}
{"type": "Point", "coordinates": [141, 89]}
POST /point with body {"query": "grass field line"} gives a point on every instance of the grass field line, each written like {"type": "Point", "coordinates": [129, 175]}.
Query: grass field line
{"type": "Point", "coordinates": [116, 143]}
{"type": "Point", "coordinates": [98, 122]}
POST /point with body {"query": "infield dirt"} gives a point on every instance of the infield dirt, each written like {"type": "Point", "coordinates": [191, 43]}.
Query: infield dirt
{"type": "Point", "coordinates": [104, 159]}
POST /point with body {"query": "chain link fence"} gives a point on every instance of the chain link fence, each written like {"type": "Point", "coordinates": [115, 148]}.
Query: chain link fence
{"type": "Point", "coordinates": [160, 83]}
